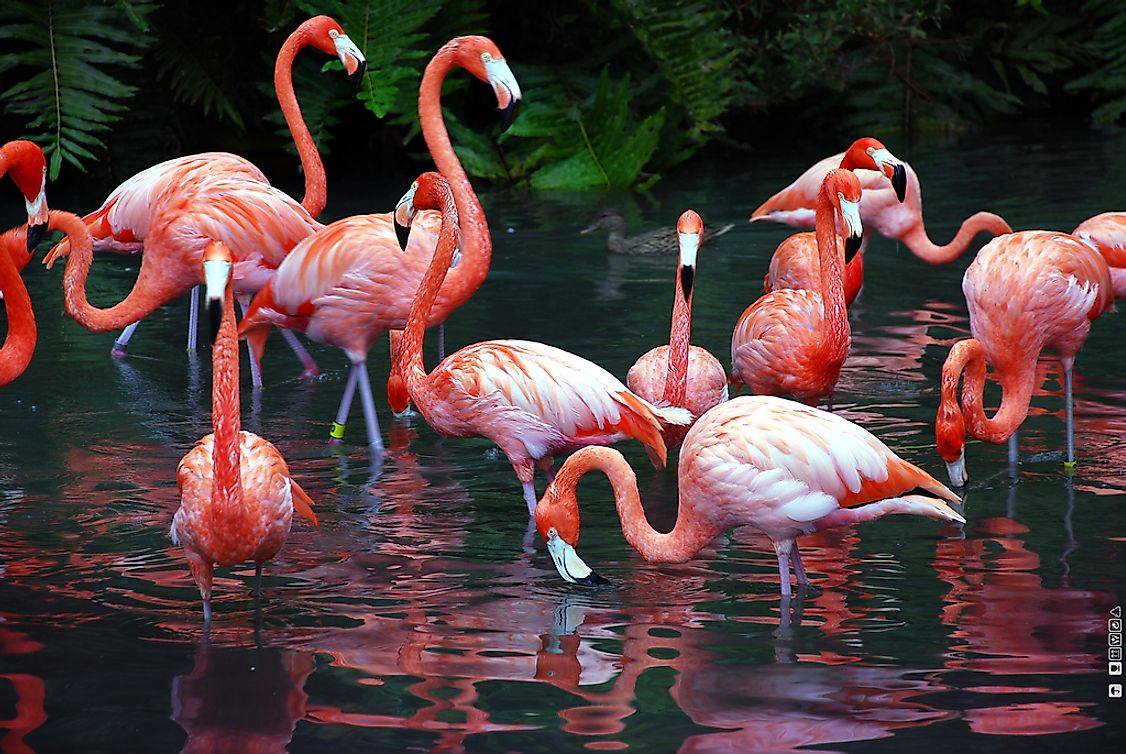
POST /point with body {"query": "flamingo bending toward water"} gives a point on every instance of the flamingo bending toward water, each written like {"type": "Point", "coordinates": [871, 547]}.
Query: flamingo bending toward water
{"type": "Point", "coordinates": [781, 467]}
{"type": "Point", "coordinates": [895, 213]}
{"type": "Point", "coordinates": [123, 221]}
{"type": "Point", "coordinates": [1025, 292]}
{"type": "Point", "coordinates": [237, 498]}
{"type": "Point", "coordinates": [349, 283]}
{"type": "Point", "coordinates": [794, 263]}
{"type": "Point", "coordinates": [23, 162]}
{"type": "Point", "coordinates": [680, 374]}
{"type": "Point", "coordinates": [793, 342]}
{"type": "Point", "coordinates": [529, 398]}
{"type": "Point", "coordinates": [1106, 234]}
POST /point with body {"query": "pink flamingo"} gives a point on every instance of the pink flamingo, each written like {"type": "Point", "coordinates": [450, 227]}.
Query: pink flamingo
{"type": "Point", "coordinates": [794, 263]}
{"type": "Point", "coordinates": [1106, 234]}
{"type": "Point", "coordinates": [123, 221]}
{"type": "Point", "coordinates": [349, 283]}
{"type": "Point", "coordinates": [781, 467]}
{"type": "Point", "coordinates": [259, 223]}
{"type": "Point", "coordinates": [1025, 292]}
{"type": "Point", "coordinates": [531, 399]}
{"type": "Point", "coordinates": [23, 161]}
{"type": "Point", "coordinates": [237, 498]}
{"type": "Point", "coordinates": [680, 374]}
{"type": "Point", "coordinates": [895, 213]}
{"type": "Point", "coordinates": [793, 342]}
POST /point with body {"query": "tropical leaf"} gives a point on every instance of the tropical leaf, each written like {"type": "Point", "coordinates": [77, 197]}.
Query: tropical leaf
{"type": "Point", "coordinates": [65, 57]}
{"type": "Point", "coordinates": [1105, 56]}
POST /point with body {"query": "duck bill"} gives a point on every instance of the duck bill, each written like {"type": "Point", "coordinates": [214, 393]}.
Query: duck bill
{"type": "Point", "coordinates": [570, 566]}
{"type": "Point", "coordinates": [504, 85]}
{"type": "Point", "coordinates": [957, 471]}
{"type": "Point", "coordinates": [854, 236]}
{"type": "Point", "coordinates": [216, 274]}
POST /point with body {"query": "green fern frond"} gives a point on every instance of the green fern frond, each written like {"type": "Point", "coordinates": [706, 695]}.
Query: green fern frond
{"type": "Point", "coordinates": [66, 55]}
{"type": "Point", "coordinates": [1106, 56]}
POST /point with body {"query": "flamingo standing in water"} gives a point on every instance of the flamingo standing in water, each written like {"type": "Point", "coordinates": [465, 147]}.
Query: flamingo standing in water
{"type": "Point", "coordinates": [123, 221]}
{"type": "Point", "coordinates": [794, 263]}
{"type": "Point", "coordinates": [237, 498]}
{"type": "Point", "coordinates": [1025, 292]}
{"type": "Point", "coordinates": [1106, 234]}
{"type": "Point", "coordinates": [680, 374]}
{"type": "Point", "coordinates": [895, 213]}
{"type": "Point", "coordinates": [531, 399]}
{"type": "Point", "coordinates": [781, 467]}
{"type": "Point", "coordinates": [24, 163]}
{"type": "Point", "coordinates": [793, 342]}
{"type": "Point", "coordinates": [349, 283]}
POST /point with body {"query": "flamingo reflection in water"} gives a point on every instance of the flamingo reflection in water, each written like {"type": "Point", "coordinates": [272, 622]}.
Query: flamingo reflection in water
{"type": "Point", "coordinates": [1014, 633]}
{"type": "Point", "coordinates": [31, 693]}
{"type": "Point", "coordinates": [241, 700]}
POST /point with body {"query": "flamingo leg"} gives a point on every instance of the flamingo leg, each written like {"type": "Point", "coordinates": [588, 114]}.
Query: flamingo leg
{"type": "Point", "coordinates": [1070, 414]}
{"type": "Point", "coordinates": [336, 433]}
{"type": "Point", "coordinates": [1014, 456]}
{"type": "Point", "coordinates": [122, 343]}
{"type": "Point", "coordinates": [257, 581]}
{"type": "Point", "coordinates": [530, 497]}
{"type": "Point", "coordinates": [255, 374]}
{"type": "Point", "coordinates": [206, 614]}
{"type": "Point", "coordinates": [311, 368]}
{"type": "Point", "coordinates": [784, 573]}
{"type": "Point", "coordinates": [799, 567]}
{"type": "Point", "coordinates": [375, 440]}
{"type": "Point", "coordinates": [193, 318]}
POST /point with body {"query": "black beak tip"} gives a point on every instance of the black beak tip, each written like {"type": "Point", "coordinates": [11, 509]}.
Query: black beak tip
{"type": "Point", "coordinates": [592, 579]}
{"type": "Point", "coordinates": [358, 77]}
{"type": "Point", "coordinates": [852, 246]}
{"type": "Point", "coordinates": [687, 280]}
{"type": "Point", "coordinates": [403, 233]}
{"type": "Point", "coordinates": [508, 114]}
{"type": "Point", "coordinates": [899, 182]}
{"type": "Point", "coordinates": [35, 234]}
{"type": "Point", "coordinates": [215, 317]}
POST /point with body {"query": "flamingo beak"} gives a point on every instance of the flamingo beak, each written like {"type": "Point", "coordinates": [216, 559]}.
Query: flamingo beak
{"type": "Point", "coordinates": [850, 215]}
{"type": "Point", "coordinates": [893, 169]}
{"type": "Point", "coordinates": [957, 471]}
{"type": "Point", "coordinates": [353, 60]}
{"type": "Point", "coordinates": [899, 181]}
{"type": "Point", "coordinates": [689, 245]}
{"type": "Point", "coordinates": [404, 216]}
{"type": "Point", "coordinates": [35, 234]}
{"type": "Point", "coordinates": [570, 566]}
{"type": "Point", "coordinates": [500, 78]}
{"type": "Point", "coordinates": [216, 273]}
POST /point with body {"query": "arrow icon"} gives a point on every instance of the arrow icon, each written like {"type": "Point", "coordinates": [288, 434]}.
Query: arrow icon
{"type": "Point", "coordinates": [1116, 611]}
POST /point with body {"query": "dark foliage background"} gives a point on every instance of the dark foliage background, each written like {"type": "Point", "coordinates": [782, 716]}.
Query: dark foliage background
{"type": "Point", "coordinates": [616, 92]}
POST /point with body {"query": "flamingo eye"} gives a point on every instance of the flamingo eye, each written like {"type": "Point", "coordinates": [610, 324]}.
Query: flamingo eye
{"type": "Point", "coordinates": [870, 151]}
{"type": "Point", "coordinates": [486, 57]}
{"type": "Point", "coordinates": [333, 34]}
{"type": "Point", "coordinates": [552, 532]}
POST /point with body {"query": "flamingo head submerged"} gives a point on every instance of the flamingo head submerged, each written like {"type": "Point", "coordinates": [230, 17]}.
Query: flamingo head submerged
{"type": "Point", "coordinates": [870, 154]}
{"type": "Point", "coordinates": [480, 56]}
{"type": "Point", "coordinates": [690, 236]}
{"type": "Point", "coordinates": [325, 34]}
{"type": "Point", "coordinates": [23, 160]}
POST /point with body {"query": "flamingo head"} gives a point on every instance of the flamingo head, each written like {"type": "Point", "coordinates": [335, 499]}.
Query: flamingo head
{"type": "Point", "coordinates": [24, 161]}
{"type": "Point", "coordinates": [949, 424]}
{"type": "Point", "coordinates": [870, 154]}
{"type": "Point", "coordinates": [480, 56]}
{"type": "Point", "coordinates": [844, 192]}
{"type": "Point", "coordinates": [326, 35]}
{"type": "Point", "coordinates": [689, 235]}
{"type": "Point", "coordinates": [217, 265]}
{"type": "Point", "coordinates": [429, 191]}
{"type": "Point", "coordinates": [557, 520]}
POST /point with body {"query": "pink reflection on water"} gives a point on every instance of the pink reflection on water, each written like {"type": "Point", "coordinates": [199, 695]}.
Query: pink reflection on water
{"type": "Point", "coordinates": [31, 693]}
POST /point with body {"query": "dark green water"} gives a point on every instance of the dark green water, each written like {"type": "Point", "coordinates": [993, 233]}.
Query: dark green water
{"type": "Point", "coordinates": [412, 620]}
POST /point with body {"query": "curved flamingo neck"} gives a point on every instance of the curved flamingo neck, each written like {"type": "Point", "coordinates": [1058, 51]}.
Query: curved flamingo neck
{"type": "Point", "coordinates": [1017, 384]}
{"type": "Point", "coordinates": [830, 258]}
{"type": "Point", "coordinates": [686, 538]}
{"type": "Point", "coordinates": [680, 335]}
{"type": "Point", "coordinates": [477, 244]}
{"type": "Point", "coordinates": [147, 293]}
{"type": "Point", "coordinates": [316, 183]}
{"type": "Point", "coordinates": [410, 363]}
{"type": "Point", "coordinates": [226, 478]}
{"type": "Point", "coordinates": [920, 244]}
{"type": "Point", "coordinates": [19, 342]}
